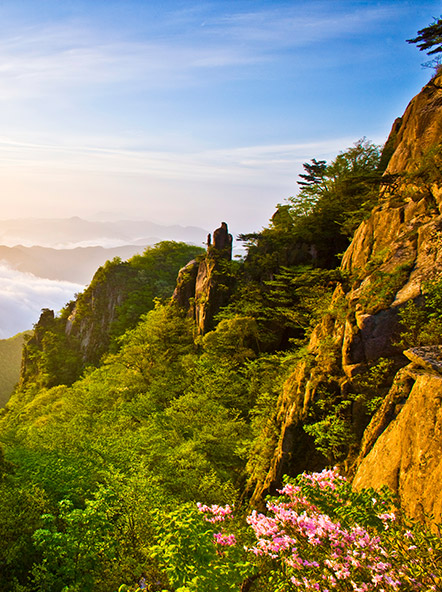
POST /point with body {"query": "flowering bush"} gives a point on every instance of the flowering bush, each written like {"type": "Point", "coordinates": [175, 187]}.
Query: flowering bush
{"type": "Point", "coordinates": [216, 513]}
{"type": "Point", "coordinates": [315, 549]}
{"type": "Point", "coordinates": [320, 535]}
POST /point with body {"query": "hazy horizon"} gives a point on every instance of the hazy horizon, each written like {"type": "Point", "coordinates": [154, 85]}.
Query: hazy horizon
{"type": "Point", "coordinates": [38, 271]}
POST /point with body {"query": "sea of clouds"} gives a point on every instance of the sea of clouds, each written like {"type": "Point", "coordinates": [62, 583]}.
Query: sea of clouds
{"type": "Point", "coordinates": [23, 295]}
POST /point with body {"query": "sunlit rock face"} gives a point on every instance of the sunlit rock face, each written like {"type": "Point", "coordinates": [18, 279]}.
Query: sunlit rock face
{"type": "Point", "coordinates": [419, 128]}
{"type": "Point", "coordinates": [402, 447]}
{"type": "Point", "coordinates": [392, 254]}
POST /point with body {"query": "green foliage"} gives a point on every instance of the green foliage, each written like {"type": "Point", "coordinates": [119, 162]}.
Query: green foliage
{"type": "Point", "coordinates": [10, 362]}
{"type": "Point", "coordinates": [382, 287]}
{"type": "Point", "coordinates": [236, 338]}
{"type": "Point", "coordinates": [336, 423]}
{"type": "Point", "coordinates": [333, 434]}
{"type": "Point", "coordinates": [337, 197]}
{"type": "Point", "coordinates": [189, 555]}
{"type": "Point", "coordinates": [372, 386]}
{"type": "Point", "coordinates": [300, 296]}
{"type": "Point", "coordinates": [265, 377]}
{"type": "Point", "coordinates": [185, 547]}
{"type": "Point", "coordinates": [289, 273]}
{"type": "Point", "coordinates": [429, 39]}
{"type": "Point", "coordinates": [156, 273]}
{"type": "Point", "coordinates": [421, 321]}
{"type": "Point", "coordinates": [20, 511]}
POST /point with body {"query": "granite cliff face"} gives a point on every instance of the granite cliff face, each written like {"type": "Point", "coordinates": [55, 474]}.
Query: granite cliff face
{"type": "Point", "coordinates": [418, 130]}
{"type": "Point", "coordinates": [392, 254]}
{"type": "Point", "coordinates": [402, 446]}
{"type": "Point", "coordinates": [95, 310]}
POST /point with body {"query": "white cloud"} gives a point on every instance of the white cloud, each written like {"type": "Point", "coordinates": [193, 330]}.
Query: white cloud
{"type": "Point", "coordinates": [23, 295]}
{"type": "Point", "coordinates": [233, 164]}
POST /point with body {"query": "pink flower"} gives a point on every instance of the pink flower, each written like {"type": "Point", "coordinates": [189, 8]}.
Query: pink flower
{"type": "Point", "coordinates": [219, 513]}
{"type": "Point", "coordinates": [224, 539]}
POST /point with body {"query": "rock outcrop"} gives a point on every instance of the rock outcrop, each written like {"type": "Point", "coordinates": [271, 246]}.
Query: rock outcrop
{"type": "Point", "coordinates": [402, 447]}
{"type": "Point", "coordinates": [419, 129]}
{"type": "Point", "coordinates": [393, 253]}
{"type": "Point", "coordinates": [204, 286]}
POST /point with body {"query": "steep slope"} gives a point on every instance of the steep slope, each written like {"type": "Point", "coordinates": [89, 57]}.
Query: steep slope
{"type": "Point", "coordinates": [120, 292]}
{"type": "Point", "coordinates": [392, 256]}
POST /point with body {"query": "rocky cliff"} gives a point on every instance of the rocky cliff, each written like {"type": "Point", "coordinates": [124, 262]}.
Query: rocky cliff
{"type": "Point", "coordinates": [402, 446]}
{"type": "Point", "coordinates": [391, 257]}
{"type": "Point", "coordinates": [120, 292]}
{"type": "Point", "coordinates": [61, 346]}
{"type": "Point", "coordinates": [204, 285]}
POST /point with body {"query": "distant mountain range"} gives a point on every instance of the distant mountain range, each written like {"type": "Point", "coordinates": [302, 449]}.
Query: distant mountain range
{"type": "Point", "coordinates": [77, 232]}
{"type": "Point", "coordinates": [76, 265]}
{"type": "Point", "coordinates": [72, 249]}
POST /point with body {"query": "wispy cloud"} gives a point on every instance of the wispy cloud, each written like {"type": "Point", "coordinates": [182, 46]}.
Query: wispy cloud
{"type": "Point", "coordinates": [235, 164]}
{"type": "Point", "coordinates": [301, 24]}
{"type": "Point", "coordinates": [36, 60]}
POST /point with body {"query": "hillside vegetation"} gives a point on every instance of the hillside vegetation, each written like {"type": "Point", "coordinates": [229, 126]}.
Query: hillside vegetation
{"type": "Point", "coordinates": [131, 411]}
{"type": "Point", "coordinates": [10, 363]}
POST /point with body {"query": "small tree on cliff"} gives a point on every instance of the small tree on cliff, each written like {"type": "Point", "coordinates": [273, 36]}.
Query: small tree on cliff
{"type": "Point", "coordinates": [429, 39]}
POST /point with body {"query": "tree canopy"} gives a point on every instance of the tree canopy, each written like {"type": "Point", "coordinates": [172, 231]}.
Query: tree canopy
{"type": "Point", "coordinates": [429, 38]}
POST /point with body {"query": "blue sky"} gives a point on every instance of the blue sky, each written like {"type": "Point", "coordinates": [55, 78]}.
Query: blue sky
{"type": "Point", "coordinates": [192, 112]}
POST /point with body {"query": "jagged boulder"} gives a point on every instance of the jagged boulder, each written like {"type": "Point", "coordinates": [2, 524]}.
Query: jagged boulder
{"type": "Point", "coordinates": [402, 447]}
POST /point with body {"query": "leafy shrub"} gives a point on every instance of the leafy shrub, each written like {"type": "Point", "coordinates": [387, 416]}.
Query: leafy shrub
{"type": "Point", "coordinates": [319, 534]}
{"type": "Point", "coordinates": [383, 287]}
{"type": "Point", "coordinates": [421, 320]}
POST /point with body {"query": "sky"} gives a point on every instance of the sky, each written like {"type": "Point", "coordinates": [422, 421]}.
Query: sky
{"type": "Point", "coordinates": [192, 113]}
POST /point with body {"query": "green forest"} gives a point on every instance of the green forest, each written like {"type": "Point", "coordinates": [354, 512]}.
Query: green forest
{"type": "Point", "coordinates": [131, 459]}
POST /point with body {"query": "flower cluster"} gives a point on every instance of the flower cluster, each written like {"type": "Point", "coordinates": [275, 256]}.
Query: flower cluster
{"type": "Point", "coordinates": [319, 535]}
{"type": "Point", "coordinates": [319, 553]}
{"type": "Point", "coordinates": [227, 540]}
{"type": "Point", "coordinates": [216, 513]}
